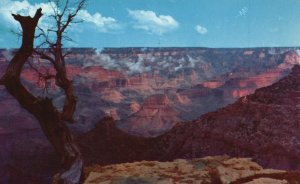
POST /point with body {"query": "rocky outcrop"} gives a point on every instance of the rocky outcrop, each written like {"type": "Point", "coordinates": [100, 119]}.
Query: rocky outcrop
{"type": "Point", "coordinates": [209, 170]}
{"type": "Point", "coordinates": [156, 116]}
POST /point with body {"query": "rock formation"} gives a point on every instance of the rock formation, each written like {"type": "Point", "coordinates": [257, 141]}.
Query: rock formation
{"type": "Point", "coordinates": [209, 170]}
{"type": "Point", "coordinates": [157, 115]}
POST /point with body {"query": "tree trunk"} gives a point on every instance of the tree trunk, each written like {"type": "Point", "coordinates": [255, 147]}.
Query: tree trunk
{"type": "Point", "coordinates": [48, 116]}
{"type": "Point", "coordinates": [70, 102]}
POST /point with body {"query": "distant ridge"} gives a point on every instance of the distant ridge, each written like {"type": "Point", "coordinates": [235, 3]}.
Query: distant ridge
{"type": "Point", "coordinates": [177, 47]}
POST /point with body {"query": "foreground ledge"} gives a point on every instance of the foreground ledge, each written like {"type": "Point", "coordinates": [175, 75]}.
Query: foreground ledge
{"type": "Point", "coordinates": [219, 169]}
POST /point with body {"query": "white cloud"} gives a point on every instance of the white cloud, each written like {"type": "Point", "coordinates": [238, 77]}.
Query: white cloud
{"type": "Point", "coordinates": [7, 7]}
{"type": "Point", "coordinates": [243, 11]}
{"type": "Point", "coordinates": [108, 63]}
{"type": "Point", "coordinates": [200, 29]}
{"type": "Point", "coordinates": [152, 23]}
{"type": "Point", "coordinates": [137, 67]}
{"type": "Point", "coordinates": [103, 24]}
{"type": "Point", "coordinates": [103, 60]}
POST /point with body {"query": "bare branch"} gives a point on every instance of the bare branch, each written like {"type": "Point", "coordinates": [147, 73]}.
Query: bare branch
{"type": "Point", "coordinates": [67, 53]}
{"type": "Point", "coordinates": [45, 76]}
{"type": "Point", "coordinates": [55, 9]}
{"type": "Point", "coordinates": [71, 16]}
{"type": "Point", "coordinates": [46, 37]}
{"type": "Point", "coordinates": [38, 14]}
{"type": "Point", "coordinates": [17, 17]}
{"type": "Point", "coordinates": [67, 38]}
{"type": "Point", "coordinates": [65, 8]}
{"type": "Point", "coordinates": [18, 33]}
{"type": "Point", "coordinates": [45, 56]}
{"type": "Point", "coordinates": [41, 45]}
{"type": "Point", "coordinates": [51, 30]}
{"type": "Point", "coordinates": [77, 21]}
{"type": "Point", "coordinates": [38, 36]}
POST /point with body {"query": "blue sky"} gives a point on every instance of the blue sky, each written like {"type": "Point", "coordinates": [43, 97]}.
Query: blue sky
{"type": "Point", "coordinates": [179, 23]}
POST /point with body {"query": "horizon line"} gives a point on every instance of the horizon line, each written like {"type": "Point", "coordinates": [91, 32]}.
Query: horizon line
{"type": "Point", "coordinates": [198, 47]}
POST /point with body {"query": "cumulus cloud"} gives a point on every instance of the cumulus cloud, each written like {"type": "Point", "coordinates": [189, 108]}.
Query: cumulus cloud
{"type": "Point", "coordinates": [103, 24]}
{"type": "Point", "coordinates": [243, 12]}
{"type": "Point", "coordinates": [200, 29]}
{"type": "Point", "coordinates": [151, 22]}
{"type": "Point", "coordinates": [7, 7]}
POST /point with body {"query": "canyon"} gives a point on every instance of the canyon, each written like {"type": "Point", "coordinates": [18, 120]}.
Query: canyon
{"type": "Point", "coordinates": [263, 125]}
{"type": "Point", "coordinates": [155, 97]}
{"type": "Point", "coordinates": [135, 84]}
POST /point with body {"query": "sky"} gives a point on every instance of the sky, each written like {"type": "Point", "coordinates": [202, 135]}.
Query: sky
{"type": "Point", "coordinates": [169, 23]}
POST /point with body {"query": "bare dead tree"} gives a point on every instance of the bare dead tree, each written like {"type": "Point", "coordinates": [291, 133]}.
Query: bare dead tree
{"type": "Point", "coordinates": [51, 120]}
{"type": "Point", "coordinates": [64, 13]}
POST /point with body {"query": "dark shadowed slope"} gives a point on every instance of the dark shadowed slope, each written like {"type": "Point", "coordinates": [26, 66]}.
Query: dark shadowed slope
{"type": "Point", "coordinates": [107, 144]}
{"type": "Point", "coordinates": [264, 125]}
